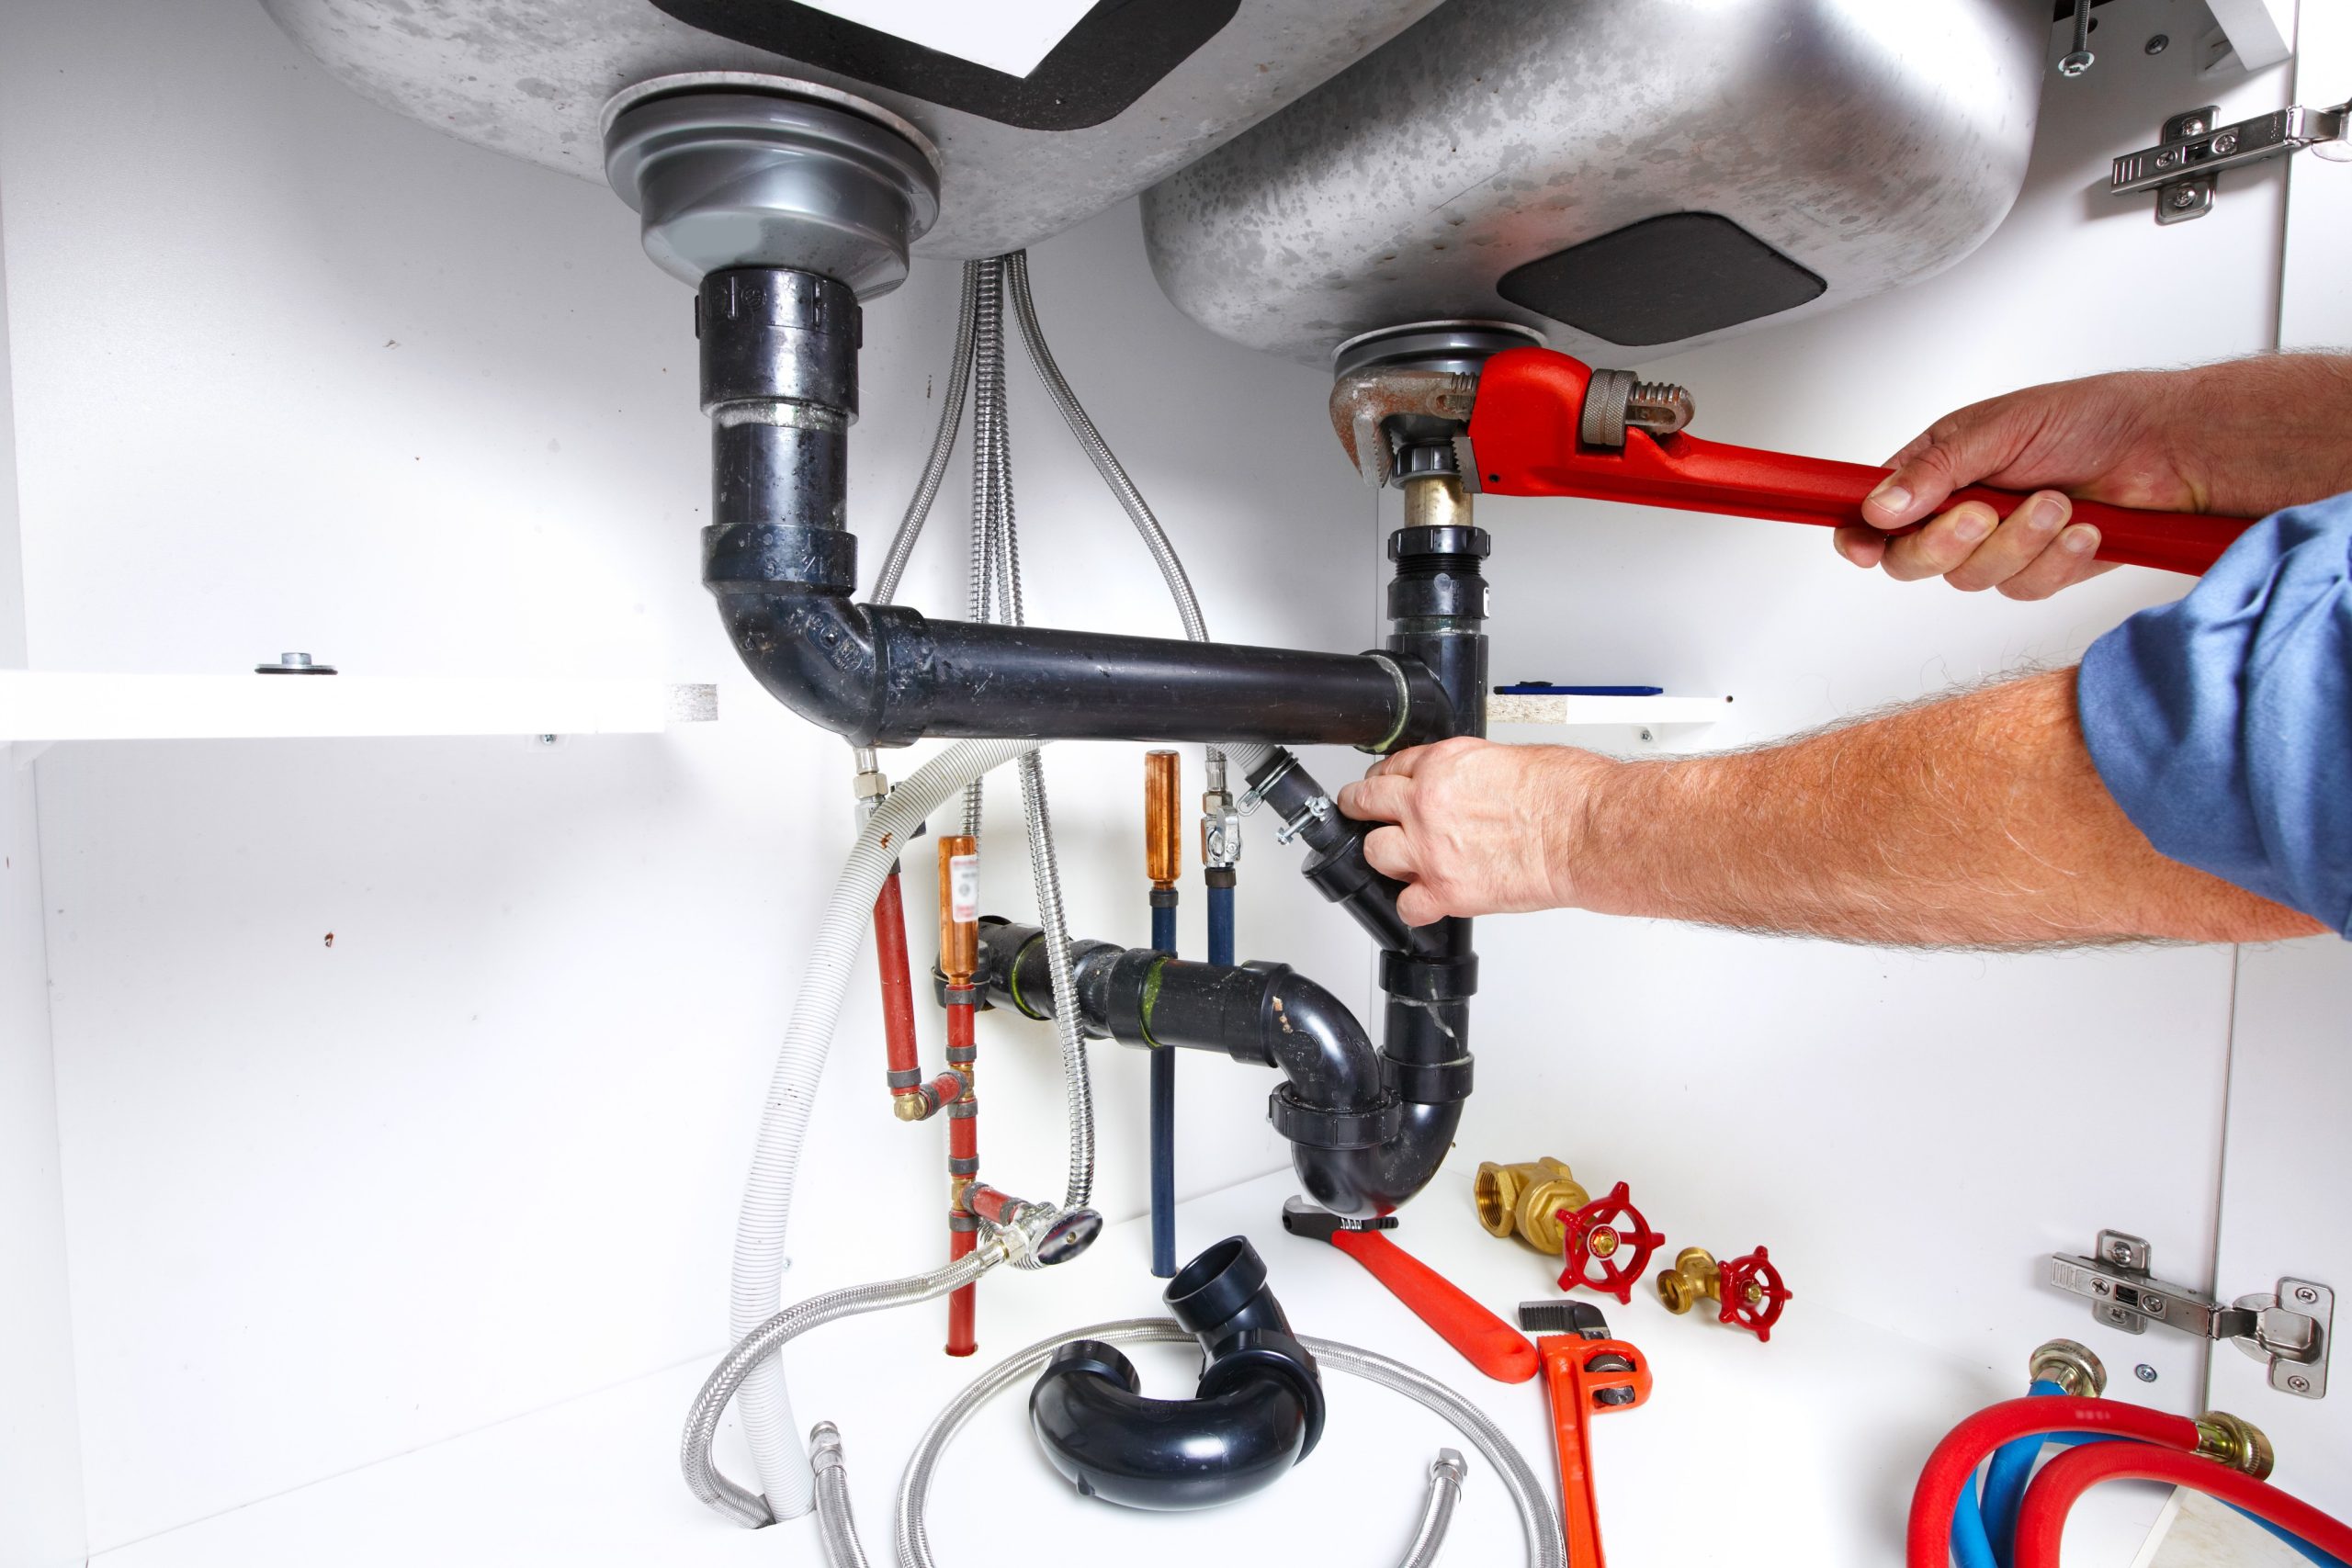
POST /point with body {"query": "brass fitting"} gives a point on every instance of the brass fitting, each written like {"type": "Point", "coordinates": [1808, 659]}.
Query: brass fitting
{"type": "Point", "coordinates": [2236, 1442]}
{"type": "Point", "coordinates": [1696, 1276]}
{"type": "Point", "coordinates": [912, 1107]}
{"type": "Point", "coordinates": [959, 908]}
{"type": "Point", "coordinates": [1163, 829]}
{"type": "Point", "coordinates": [1526, 1198]}
{"type": "Point", "coordinates": [2071, 1366]}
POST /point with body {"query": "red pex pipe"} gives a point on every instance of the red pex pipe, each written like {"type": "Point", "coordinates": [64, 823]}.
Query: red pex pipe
{"type": "Point", "coordinates": [2041, 1523]}
{"type": "Point", "coordinates": [1524, 425]}
{"type": "Point", "coordinates": [962, 1156]}
{"type": "Point", "coordinates": [1953, 1464]}
{"type": "Point", "coordinates": [897, 993]}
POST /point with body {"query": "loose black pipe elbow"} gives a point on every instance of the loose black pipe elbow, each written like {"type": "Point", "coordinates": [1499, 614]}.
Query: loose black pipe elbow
{"type": "Point", "coordinates": [1357, 1143]}
{"type": "Point", "coordinates": [1258, 1409]}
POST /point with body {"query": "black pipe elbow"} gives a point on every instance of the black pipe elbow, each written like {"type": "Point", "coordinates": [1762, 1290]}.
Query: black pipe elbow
{"type": "Point", "coordinates": [1257, 1411]}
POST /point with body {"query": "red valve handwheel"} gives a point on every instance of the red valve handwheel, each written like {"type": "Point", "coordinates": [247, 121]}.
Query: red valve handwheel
{"type": "Point", "coordinates": [1608, 1244]}
{"type": "Point", "coordinates": [1753, 1294]}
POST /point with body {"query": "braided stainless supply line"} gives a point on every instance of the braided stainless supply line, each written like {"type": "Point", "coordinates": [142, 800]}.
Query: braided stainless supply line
{"type": "Point", "coordinates": [942, 444]}
{"type": "Point", "coordinates": [836, 1526]}
{"type": "Point", "coordinates": [1540, 1524]}
{"type": "Point", "coordinates": [702, 1478]}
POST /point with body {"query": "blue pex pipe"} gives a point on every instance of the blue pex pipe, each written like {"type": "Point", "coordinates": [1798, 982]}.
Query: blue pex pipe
{"type": "Point", "coordinates": [1163, 1112]}
{"type": "Point", "coordinates": [1220, 925]}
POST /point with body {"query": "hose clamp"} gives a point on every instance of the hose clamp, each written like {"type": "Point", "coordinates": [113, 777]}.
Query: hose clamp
{"type": "Point", "coordinates": [1315, 811]}
{"type": "Point", "coordinates": [1255, 796]}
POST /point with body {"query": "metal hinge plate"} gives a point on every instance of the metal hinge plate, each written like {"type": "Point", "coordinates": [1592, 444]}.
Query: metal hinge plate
{"type": "Point", "coordinates": [2288, 1328]}
{"type": "Point", "coordinates": [2192, 150]}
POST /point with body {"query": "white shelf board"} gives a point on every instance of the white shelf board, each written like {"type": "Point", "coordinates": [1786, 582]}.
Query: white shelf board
{"type": "Point", "coordinates": [1575, 711]}
{"type": "Point", "coordinates": [40, 706]}
{"type": "Point", "coordinates": [1807, 1448]}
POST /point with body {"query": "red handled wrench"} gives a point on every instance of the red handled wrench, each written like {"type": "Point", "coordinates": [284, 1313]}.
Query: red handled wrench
{"type": "Point", "coordinates": [1486, 1341]}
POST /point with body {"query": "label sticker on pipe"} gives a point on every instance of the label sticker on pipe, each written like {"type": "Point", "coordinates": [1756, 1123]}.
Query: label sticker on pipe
{"type": "Point", "coordinates": [963, 888]}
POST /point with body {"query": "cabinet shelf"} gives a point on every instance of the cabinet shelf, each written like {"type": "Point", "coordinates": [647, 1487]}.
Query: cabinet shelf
{"type": "Point", "coordinates": [42, 707]}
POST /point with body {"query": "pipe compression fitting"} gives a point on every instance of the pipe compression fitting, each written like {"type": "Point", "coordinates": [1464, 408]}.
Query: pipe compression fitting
{"type": "Point", "coordinates": [1258, 1410]}
{"type": "Point", "coordinates": [1360, 1141]}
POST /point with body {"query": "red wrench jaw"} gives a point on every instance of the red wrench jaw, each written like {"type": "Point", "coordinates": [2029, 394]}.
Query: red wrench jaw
{"type": "Point", "coordinates": [1530, 403]}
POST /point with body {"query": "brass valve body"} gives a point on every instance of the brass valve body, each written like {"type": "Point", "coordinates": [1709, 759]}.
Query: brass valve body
{"type": "Point", "coordinates": [1526, 1198]}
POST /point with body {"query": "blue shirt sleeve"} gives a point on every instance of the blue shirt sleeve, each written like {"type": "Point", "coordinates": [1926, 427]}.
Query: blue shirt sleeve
{"type": "Point", "coordinates": [2222, 723]}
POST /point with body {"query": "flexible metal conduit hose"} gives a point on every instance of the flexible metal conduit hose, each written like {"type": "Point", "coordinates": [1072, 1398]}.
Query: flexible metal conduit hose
{"type": "Point", "coordinates": [1541, 1525]}
{"type": "Point", "coordinates": [758, 1282]}
{"type": "Point", "coordinates": [758, 1349]}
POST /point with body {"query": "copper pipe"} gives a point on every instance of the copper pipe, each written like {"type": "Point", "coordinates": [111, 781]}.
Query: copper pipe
{"type": "Point", "coordinates": [1163, 829]}
{"type": "Point", "coordinates": [897, 997]}
{"type": "Point", "coordinates": [959, 908]}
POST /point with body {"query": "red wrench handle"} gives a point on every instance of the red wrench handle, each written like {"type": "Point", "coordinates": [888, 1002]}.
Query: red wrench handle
{"type": "Point", "coordinates": [1486, 1341]}
{"type": "Point", "coordinates": [1523, 429]}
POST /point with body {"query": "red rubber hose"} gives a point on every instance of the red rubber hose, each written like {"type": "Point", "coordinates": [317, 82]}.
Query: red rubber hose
{"type": "Point", "coordinates": [1954, 1463]}
{"type": "Point", "coordinates": [897, 994]}
{"type": "Point", "coordinates": [2041, 1523]}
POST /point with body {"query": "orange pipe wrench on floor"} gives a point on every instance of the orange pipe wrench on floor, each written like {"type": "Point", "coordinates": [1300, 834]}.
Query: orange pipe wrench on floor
{"type": "Point", "coordinates": [1586, 1374]}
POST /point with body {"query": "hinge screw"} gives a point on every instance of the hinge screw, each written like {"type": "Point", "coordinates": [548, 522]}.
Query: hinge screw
{"type": "Point", "coordinates": [2120, 1252]}
{"type": "Point", "coordinates": [2192, 127]}
{"type": "Point", "coordinates": [2144, 1372]}
{"type": "Point", "coordinates": [2305, 1294]}
{"type": "Point", "coordinates": [2226, 143]}
{"type": "Point", "coordinates": [2184, 198]}
{"type": "Point", "coordinates": [2159, 43]}
{"type": "Point", "coordinates": [2300, 1383]}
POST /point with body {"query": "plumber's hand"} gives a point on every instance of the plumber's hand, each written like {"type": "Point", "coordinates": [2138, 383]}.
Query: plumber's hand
{"type": "Point", "coordinates": [2105, 439]}
{"type": "Point", "coordinates": [1477, 826]}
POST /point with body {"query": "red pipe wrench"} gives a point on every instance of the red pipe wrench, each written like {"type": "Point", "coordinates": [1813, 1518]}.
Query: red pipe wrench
{"type": "Point", "coordinates": [1486, 1341]}
{"type": "Point", "coordinates": [1526, 435]}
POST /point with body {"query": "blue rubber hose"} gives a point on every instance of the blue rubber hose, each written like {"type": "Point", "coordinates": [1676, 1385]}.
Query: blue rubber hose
{"type": "Point", "coordinates": [1163, 1109]}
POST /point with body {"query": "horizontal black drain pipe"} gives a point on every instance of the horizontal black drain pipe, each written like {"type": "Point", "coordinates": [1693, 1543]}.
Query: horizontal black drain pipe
{"type": "Point", "coordinates": [1366, 1130]}
{"type": "Point", "coordinates": [887, 675]}
{"type": "Point", "coordinates": [779, 383]}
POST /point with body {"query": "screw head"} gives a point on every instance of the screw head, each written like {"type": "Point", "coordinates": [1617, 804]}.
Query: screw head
{"type": "Point", "coordinates": [2168, 158]}
{"type": "Point", "coordinates": [2300, 1383]}
{"type": "Point", "coordinates": [2144, 1372]}
{"type": "Point", "coordinates": [546, 739]}
{"type": "Point", "coordinates": [2159, 43]}
{"type": "Point", "coordinates": [2192, 127]}
{"type": "Point", "coordinates": [2101, 1288]}
{"type": "Point", "coordinates": [2184, 198]}
{"type": "Point", "coordinates": [2153, 1305]}
{"type": "Point", "coordinates": [2226, 142]}
{"type": "Point", "coordinates": [2076, 63]}
{"type": "Point", "coordinates": [2305, 1294]}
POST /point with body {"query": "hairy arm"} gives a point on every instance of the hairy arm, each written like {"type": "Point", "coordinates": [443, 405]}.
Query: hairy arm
{"type": "Point", "coordinates": [1978, 820]}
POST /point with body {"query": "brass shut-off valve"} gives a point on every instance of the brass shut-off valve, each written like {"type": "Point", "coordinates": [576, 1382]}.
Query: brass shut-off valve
{"type": "Point", "coordinates": [1747, 1290]}
{"type": "Point", "coordinates": [1525, 1199]}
